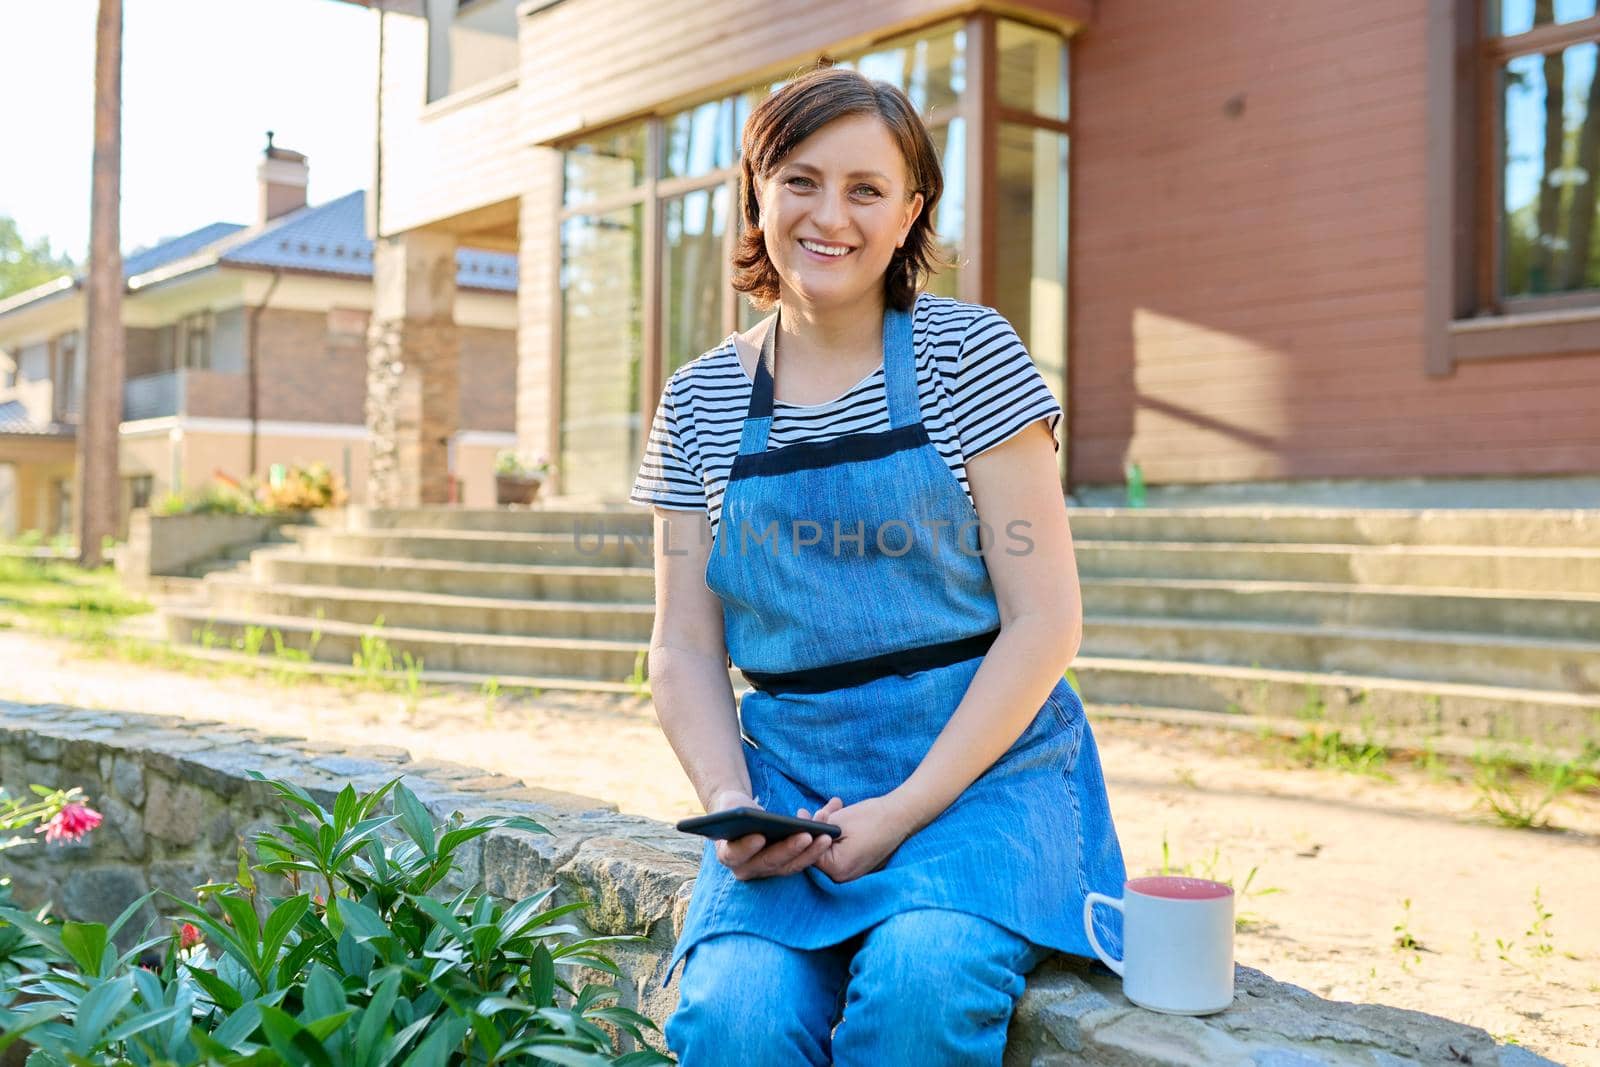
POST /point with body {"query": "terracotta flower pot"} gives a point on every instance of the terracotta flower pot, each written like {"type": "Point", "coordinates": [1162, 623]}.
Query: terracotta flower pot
{"type": "Point", "coordinates": [512, 489]}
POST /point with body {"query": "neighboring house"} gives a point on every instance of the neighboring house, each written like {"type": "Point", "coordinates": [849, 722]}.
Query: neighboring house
{"type": "Point", "coordinates": [289, 296]}
{"type": "Point", "coordinates": [1294, 246]}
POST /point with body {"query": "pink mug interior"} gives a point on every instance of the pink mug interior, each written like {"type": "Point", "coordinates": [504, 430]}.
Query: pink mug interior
{"type": "Point", "coordinates": [1176, 887]}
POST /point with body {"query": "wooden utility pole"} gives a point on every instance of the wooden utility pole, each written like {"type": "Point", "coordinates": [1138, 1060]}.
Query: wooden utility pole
{"type": "Point", "coordinates": [99, 497]}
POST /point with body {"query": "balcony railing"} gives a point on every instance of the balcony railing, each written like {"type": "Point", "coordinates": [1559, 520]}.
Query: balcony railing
{"type": "Point", "coordinates": [185, 392]}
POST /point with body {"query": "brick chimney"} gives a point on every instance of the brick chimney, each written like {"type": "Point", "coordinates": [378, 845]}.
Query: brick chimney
{"type": "Point", "coordinates": [282, 179]}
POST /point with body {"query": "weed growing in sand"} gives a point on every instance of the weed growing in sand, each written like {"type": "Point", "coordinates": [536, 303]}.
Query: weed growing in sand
{"type": "Point", "coordinates": [1538, 940]}
{"type": "Point", "coordinates": [374, 658]}
{"type": "Point", "coordinates": [251, 640]}
{"type": "Point", "coordinates": [1520, 799]}
{"type": "Point", "coordinates": [1313, 708]}
{"type": "Point", "coordinates": [491, 699]}
{"type": "Point", "coordinates": [1538, 932]}
{"type": "Point", "coordinates": [1331, 751]}
{"type": "Point", "coordinates": [1207, 869]}
{"type": "Point", "coordinates": [1405, 940]}
{"type": "Point", "coordinates": [1186, 778]}
{"type": "Point", "coordinates": [411, 683]}
{"type": "Point", "coordinates": [637, 682]}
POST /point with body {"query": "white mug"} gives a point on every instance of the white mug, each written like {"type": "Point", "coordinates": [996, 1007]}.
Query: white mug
{"type": "Point", "coordinates": [1177, 943]}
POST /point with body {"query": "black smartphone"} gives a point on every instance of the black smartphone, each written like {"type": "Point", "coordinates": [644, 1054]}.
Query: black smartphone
{"type": "Point", "coordinates": [737, 822]}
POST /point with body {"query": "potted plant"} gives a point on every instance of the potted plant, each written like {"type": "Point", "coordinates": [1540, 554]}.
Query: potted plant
{"type": "Point", "coordinates": [516, 480]}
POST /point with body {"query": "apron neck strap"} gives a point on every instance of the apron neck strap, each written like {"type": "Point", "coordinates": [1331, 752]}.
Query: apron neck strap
{"type": "Point", "coordinates": [899, 369]}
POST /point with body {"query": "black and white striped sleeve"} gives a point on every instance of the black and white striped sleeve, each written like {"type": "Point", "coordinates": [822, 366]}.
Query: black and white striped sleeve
{"type": "Point", "coordinates": [669, 475]}
{"type": "Point", "coordinates": [998, 389]}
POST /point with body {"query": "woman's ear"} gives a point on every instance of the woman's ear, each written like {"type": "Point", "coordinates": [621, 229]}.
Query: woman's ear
{"type": "Point", "coordinates": [913, 209]}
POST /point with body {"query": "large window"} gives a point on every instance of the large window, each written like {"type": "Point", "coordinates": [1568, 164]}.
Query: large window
{"type": "Point", "coordinates": [1539, 58]}
{"type": "Point", "coordinates": [649, 219]}
{"type": "Point", "coordinates": [1030, 194]}
{"type": "Point", "coordinates": [66, 369]}
{"type": "Point", "coordinates": [470, 43]}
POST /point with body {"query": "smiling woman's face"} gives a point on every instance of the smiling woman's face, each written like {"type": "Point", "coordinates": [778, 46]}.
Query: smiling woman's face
{"type": "Point", "coordinates": [835, 210]}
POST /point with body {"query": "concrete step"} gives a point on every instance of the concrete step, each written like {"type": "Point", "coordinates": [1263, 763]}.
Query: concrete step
{"type": "Point", "coordinates": [1555, 570]}
{"type": "Point", "coordinates": [505, 580]}
{"type": "Point", "coordinates": [1488, 659]}
{"type": "Point", "coordinates": [490, 655]}
{"type": "Point", "coordinates": [475, 546]}
{"type": "Point", "coordinates": [1424, 708]}
{"type": "Point", "coordinates": [588, 523]}
{"type": "Point", "coordinates": [242, 598]}
{"type": "Point", "coordinates": [1501, 713]}
{"type": "Point", "coordinates": [1559, 615]}
{"type": "Point", "coordinates": [1575, 528]}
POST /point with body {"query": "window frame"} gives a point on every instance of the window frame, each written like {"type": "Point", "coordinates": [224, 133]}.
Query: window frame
{"type": "Point", "coordinates": [1468, 315]}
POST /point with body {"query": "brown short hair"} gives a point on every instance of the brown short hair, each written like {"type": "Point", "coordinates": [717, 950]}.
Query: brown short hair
{"type": "Point", "coordinates": [794, 113]}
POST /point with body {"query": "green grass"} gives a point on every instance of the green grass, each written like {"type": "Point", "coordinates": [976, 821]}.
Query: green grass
{"type": "Point", "coordinates": [61, 598]}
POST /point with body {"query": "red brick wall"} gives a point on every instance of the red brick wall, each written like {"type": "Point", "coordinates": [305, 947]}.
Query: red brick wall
{"type": "Point", "coordinates": [488, 379]}
{"type": "Point", "coordinates": [308, 373]}
{"type": "Point", "coordinates": [314, 369]}
{"type": "Point", "coordinates": [143, 353]}
{"type": "Point", "coordinates": [1248, 286]}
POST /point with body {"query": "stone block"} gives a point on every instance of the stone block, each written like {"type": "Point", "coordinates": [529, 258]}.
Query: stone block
{"type": "Point", "coordinates": [629, 886]}
{"type": "Point", "coordinates": [517, 864]}
{"type": "Point", "coordinates": [554, 800]}
{"type": "Point", "coordinates": [121, 834]}
{"type": "Point", "coordinates": [127, 778]}
{"type": "Point", "coordinates": [174, 811]}
{"type": "Point", "coordinates": [343, 766]}
{"type": "Point", "coordinates": [100, 894]}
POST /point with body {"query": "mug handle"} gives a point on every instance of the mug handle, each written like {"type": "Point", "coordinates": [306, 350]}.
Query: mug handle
{"type": "Point", "coordinates": [1088, 927]}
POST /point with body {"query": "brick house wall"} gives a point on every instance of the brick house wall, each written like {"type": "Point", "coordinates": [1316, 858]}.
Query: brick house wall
{"type": "Point", "coordinates": [1248, 261]}
{"type": "Point", "coordinates": [313, 368]}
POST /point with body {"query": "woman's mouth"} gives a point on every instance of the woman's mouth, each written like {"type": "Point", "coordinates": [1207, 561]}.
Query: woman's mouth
{"type": "Point", "coordinates": [825, 249]}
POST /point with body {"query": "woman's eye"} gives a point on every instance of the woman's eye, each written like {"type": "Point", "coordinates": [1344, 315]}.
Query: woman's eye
{"type": "Point", "coordinates": [797, 180]}
{"type": "Point", "coordinates": [866, 190]}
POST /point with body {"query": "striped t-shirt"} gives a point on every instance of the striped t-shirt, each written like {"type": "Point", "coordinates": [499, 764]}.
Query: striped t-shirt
{"type": "Point", "coordinates": [976, 383]}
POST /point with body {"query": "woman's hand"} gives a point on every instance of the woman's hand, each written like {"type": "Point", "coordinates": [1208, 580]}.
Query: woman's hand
{"type": "Point", "coordinates": [873, 829]}
{"type": "Point", "coordinates": [751, 857]}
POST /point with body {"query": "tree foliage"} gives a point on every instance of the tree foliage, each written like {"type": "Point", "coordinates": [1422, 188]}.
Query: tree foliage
{"type": "Point", "coordinates": [23, 266]}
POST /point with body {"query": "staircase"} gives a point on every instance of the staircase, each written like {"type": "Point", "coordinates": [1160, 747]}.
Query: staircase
{"type": "Point", "coordinates": [1469, 624]}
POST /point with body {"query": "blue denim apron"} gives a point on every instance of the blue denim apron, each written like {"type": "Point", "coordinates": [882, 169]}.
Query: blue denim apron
{"type": "Point", "coordinates": [858, 606]}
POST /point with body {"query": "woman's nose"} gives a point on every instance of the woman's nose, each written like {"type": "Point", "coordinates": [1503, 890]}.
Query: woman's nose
{"type": "Point", "coordinates": [830, 212]}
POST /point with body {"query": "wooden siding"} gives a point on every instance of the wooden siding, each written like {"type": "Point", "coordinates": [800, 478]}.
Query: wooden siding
{"type": "Point", "coordinates": [538, 343]}
{"type": "Point", "coordinates": [445, 159]}
{"type": "Point", "coordinates": [586, 63]}
{"type": "Point", "coordinates": [1249, 258]}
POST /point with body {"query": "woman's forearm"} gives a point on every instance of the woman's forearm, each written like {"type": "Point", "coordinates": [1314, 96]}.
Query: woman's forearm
{"type": "Point", "coordinates": [1025, 662]}
{"type": "Point", "coordinates": [694, 703]}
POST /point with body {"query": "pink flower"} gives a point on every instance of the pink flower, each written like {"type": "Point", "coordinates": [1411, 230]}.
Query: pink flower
{"type": "Point", "coordinates": [188, 936]}
{"type": "Point", "coordinates": [70, 823]}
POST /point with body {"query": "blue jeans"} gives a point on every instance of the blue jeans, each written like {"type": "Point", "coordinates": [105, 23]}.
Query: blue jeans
{"type": "Point", "coordinates": [928, 987]}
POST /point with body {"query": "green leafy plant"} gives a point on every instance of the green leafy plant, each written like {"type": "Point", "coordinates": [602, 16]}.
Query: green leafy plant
{"type": "Point", "coordinates": [362, 963]}
{"type": "Point", "coordinates": [509, 463]}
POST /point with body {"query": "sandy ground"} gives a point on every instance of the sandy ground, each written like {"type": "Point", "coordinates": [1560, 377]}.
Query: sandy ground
{"type": "Point", "coordinates": [1504, 923]}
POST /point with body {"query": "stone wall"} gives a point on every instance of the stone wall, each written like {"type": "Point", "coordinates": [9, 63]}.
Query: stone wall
{"type": "Point", "coordinates": [178, 802]}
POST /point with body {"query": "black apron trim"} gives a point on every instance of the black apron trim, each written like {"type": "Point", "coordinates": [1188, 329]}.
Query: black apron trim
{"type": "Point", "coordinates": [811, 455]}
{"type": "Point", "coordinates": [857, 672]}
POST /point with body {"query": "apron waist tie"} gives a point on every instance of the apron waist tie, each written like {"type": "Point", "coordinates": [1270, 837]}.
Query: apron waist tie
{"type": "Point", "coordinates": [859, 671]}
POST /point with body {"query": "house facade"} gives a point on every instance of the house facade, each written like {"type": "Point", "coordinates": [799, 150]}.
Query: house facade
{"type": "Point", "coordinates": [1243, 243]}
{"type": "Point", "coordinates": [246, 347]}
